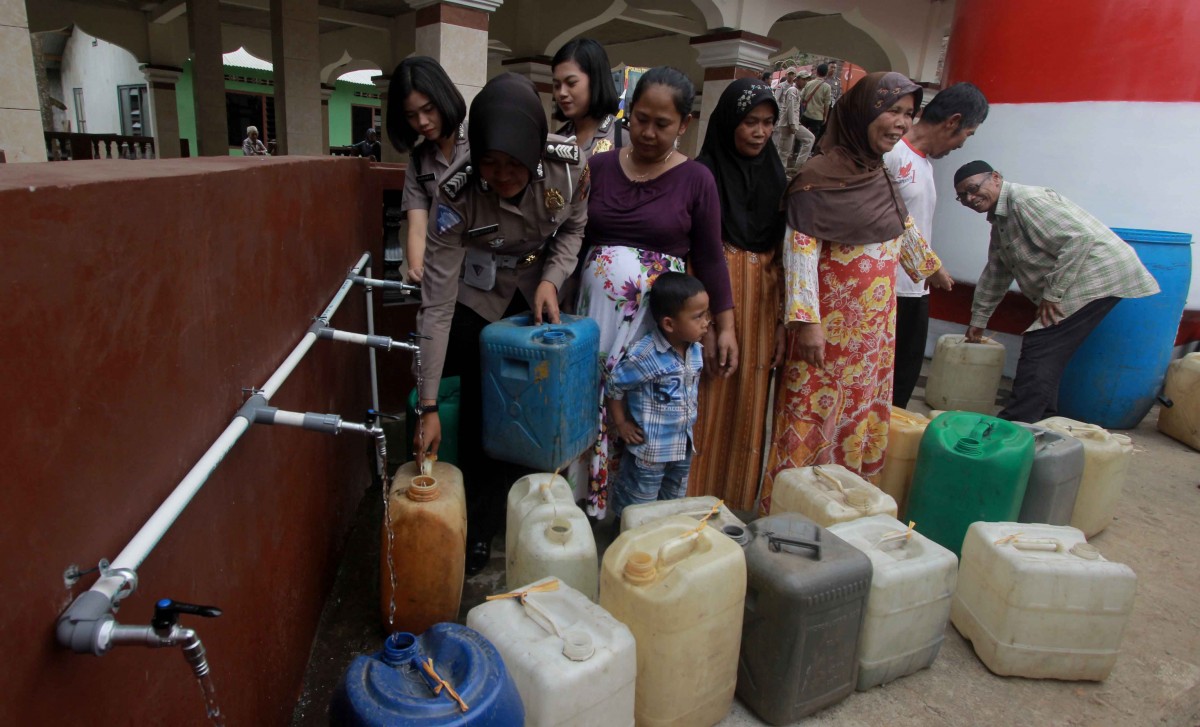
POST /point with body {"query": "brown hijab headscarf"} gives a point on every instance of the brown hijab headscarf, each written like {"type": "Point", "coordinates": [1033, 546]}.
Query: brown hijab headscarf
{"type": "Point", "coordinates": [843, 194]}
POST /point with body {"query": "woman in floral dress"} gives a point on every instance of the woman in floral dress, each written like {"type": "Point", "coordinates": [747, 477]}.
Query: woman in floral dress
{"type": "Point", "coordinates": [847, 232]}
{"type": "Point", "coordinates": [651, 210]}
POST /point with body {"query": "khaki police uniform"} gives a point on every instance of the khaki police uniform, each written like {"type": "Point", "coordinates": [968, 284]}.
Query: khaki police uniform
{"type": "Point", "coordinates": [427, 167]}
{"type": "Point", "coordinates": [482, 251]}
{"type": "Point", "coordinates": [610, 134]}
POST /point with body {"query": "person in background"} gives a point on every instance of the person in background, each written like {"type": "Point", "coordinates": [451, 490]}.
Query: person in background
{"type": "Point", "coordinates": [653, 391]}
{"type": "Point", "coordinates": [424, 106]}
{"type": "Point", "coordinates": [847, 230]}
{"type": "Point", "coordinates": [584, 97]}
{"type": "Point", "coordinates": [731, 430]}
{"type": "Point", "coordinates": [944, 126]}
{"type": "Point", "coordinates": [651, 210]}
{"type": "Point", "coordinates": [788, 119]}
{"type": "Point", "coordinates": [252, 146]}
{"type": "Point", "coordinates": [509, 220]}
{"type": "Point", "coordinates": [370, 146]}
{"type": "Point", "coordinates": [788, 81]}
{"type": "Point", "coordinates": [779, 90]}
{"type": "Point", "coordinates": [802, 138]}
{"type": "Point", "coordinates": [1070, 264]}
{"type": "Point", "coordinates": [816, 99]}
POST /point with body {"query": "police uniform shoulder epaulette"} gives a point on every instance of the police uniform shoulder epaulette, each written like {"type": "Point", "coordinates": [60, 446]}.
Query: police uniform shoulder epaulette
{"type": "Point", "coordinates": [456, 178]}
{"type": "Point", "coordinates": [559, 149]}
{"type": "Point", "coordinates": [606, 124]}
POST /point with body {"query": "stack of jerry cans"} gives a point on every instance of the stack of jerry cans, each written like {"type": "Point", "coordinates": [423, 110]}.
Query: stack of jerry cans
{"type": "Point", "coordinates": [573, 663]}
{"type": "Point", "coordinates": [1054, 478]}
{"type": "Point", "coordinates": [1038, 601]}
{"type": "Point", "coordinates": [548, 535]}
{"type": "Point", "coordinates": [828, 494]}
{"type": "Point", "coordinates": [912, 582]}
{"type": "Point", "coordinates": [805, 601]}
{"type": "Point", "coordinates": [680, 587]}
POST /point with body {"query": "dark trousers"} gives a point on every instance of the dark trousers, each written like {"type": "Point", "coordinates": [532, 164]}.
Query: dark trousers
{"type": "Point", "coordinates": [912, 328]}
{"type": "Point", "coordinates": [816, 127]}
{"type": "Point", "coordinates": [486, 480]}
{"type": "Point", "coordinates": [1044, 354]}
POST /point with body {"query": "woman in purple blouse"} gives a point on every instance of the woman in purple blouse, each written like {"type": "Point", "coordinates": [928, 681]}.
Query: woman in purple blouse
{"type": "Point", "coordinates": [651, 210]}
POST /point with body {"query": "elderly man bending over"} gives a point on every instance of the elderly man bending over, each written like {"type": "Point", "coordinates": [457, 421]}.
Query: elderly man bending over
{"type": "Point", "coordinates": [1064, 260]}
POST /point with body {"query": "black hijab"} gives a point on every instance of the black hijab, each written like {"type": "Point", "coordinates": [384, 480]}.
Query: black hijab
{"type": "Point", "coordinates": [749, 187]}
{"type": "Point", "coordinates": [507, 116]}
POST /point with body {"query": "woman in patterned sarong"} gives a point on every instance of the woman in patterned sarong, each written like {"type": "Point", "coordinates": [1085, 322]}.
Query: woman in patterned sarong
{"type": "Point", "coordinates": [732, 426]}
{"type": "Point", "coordinates": [847, 231]}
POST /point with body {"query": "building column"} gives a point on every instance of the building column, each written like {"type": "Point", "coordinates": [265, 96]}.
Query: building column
{"type": "Point", "coordinates": [163, 109]}
{"type": "Point", "coordinates": [536, 69]}
{"type": "Point", "coordinates": [389, 150]}
{"type": "Point", "coordinates": [455, 34]}
{"type": "Point", "coordinates": [726, 57]}
{"type": "Point", "coordinates": [208, 77]}
{"type": "Point", "coordinates": [21, 134]}
{"type": "Point", "coordinates": [295, 45]}
{"type": "Point", "coordinates": [326, 93]}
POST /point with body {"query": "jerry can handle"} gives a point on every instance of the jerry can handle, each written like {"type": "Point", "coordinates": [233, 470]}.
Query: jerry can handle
{"type": "Point", "coordinates": [676, 549]}
{"type": "Point", "coordinates": [1049, 545]}
{"type": "Point", "coordinates": [837, 484]}
{"type": "Point", "coordinates": [983, 429]}
{"type": "Point", "coordinates": [1083, 430]}
{"type": "Point", "coordinates": [539, 616]}
{"type": "Point", "coordinates": [900, 536]}
{"type": "Point", "coordinates": [775, 543]}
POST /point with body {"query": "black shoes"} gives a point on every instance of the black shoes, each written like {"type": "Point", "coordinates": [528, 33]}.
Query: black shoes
{"type": "Point", "coordinates": [479, 552]}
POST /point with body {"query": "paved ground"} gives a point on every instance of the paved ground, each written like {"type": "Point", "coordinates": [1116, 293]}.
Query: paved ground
{"type": "Point", "coordinates": [1156, 679]}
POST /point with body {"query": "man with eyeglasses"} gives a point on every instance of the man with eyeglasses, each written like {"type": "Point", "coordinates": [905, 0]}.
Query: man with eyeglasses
{"type": "Point", "coordinates": [1065, 260]}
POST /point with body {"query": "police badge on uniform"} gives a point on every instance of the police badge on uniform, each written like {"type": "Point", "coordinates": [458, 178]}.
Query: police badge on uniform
{"type": "Point", "coordinates": [554, 199]}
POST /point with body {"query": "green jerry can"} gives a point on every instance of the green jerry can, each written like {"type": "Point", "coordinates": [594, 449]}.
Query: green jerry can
{"type": "Point", "coordinates": [970, 467]}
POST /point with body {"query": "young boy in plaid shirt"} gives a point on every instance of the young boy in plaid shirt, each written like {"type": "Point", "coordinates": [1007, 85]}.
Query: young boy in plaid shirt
{"type": "Point", "coordinates": [653, 393]}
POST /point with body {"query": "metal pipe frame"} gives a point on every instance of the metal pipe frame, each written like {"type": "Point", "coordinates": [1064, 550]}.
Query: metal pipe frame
{"type": "Point", "coordinates": [135, 553]}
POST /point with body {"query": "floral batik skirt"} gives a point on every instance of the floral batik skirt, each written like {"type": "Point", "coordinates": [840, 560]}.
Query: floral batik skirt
{"type": "Point", "coordinates": [840, 413]}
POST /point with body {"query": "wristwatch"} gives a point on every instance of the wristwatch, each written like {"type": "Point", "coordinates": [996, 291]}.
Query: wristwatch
{"type": "Point", "coordinates": [427, 408]}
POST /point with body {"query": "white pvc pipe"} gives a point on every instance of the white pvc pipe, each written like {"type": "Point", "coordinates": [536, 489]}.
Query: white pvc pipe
{"type": "Point", "coordinates": [289, 364]}
{"type": "Point", "coordinates": [371, 351]}
{"type": "Point", "coordinates": [132, 556]}
{"type": "Point", "coordinates": [289, 418]}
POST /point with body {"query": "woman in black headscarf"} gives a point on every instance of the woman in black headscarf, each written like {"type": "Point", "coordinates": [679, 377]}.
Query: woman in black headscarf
{"type": "Point", "coordinates": [848, 231]}
{"type": "Point", "coordinates": [514, 212]}
{"type": "Point", "coordinates": [750, 180]}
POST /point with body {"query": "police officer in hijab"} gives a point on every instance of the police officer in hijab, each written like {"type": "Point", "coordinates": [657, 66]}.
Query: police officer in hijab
{"type": "Point", "coordinates": [505, 234]}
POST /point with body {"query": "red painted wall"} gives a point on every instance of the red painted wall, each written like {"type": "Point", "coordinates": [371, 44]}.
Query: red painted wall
{"type": "Point", "coordinates": [139, 298]}
{"type": "Point", "coordinates": [1031, 51]}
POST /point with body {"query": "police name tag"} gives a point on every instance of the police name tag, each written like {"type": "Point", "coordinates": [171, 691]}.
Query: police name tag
{"type": "Point", "coordinates": [479, 269]}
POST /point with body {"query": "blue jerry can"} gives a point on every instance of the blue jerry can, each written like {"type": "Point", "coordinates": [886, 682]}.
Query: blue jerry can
{"type": "Point", "coordinates": [393, 687]}
{"type": "Point", "coordinates": [541, 388]}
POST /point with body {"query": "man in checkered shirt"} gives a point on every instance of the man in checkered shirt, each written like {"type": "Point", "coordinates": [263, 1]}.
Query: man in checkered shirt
{"type": "Point", "coordinates": [1070, 264]}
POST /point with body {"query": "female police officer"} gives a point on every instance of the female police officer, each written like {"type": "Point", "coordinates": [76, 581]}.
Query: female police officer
{"type": "Point", "coordinates": [510, 222]}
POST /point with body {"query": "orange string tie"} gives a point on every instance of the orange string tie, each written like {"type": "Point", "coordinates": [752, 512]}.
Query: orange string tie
{"type": "Point", "coordinates": [551, 585]}
{"type": "Point", "coordinates": [704, 520]}
{"type": "Point", "coordinates": [1009, 539]}
{"type": "Point", "coordinates": [443, 684]}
